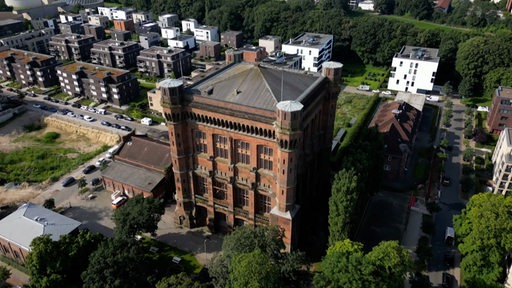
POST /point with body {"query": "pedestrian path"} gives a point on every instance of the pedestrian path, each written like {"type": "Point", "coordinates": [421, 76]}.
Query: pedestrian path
{"type": "Point", "coordinates": [18, 278]}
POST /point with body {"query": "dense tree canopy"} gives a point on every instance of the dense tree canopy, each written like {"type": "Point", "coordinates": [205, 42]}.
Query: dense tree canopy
{"type": "Point", "coordinates": [59, 263]}
{"type": "Point", "coordinates": [346, 265]}
{"type": "Point", "coordinates": [138, 215]}
{"type": "Point", "coordinates": [484, 233]}
{"type": "Point", "coordinates": [344, 194]}
{"type": "Point", "coordinates": [181, 280]}
{"type": "Point", "coordinates": [254, 269]}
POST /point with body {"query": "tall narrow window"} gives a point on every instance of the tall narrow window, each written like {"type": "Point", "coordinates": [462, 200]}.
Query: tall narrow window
{"type": "Point", "coordinates": [243, 154]}
{"type": "Point", "coordinates": [241, 197]}
{"type": "Point", "coordinates": [265, 157]}
{"type": "Point", "coordinates": [200, 141]}
{"type": "Point", "coordinates": [263, 204]}
{"type": "Point", "coordinates": [200, 186]}
{"type": "Point", "coordinates": [221, 146]}
{"type": "Point", "coordinates": [220, 190]}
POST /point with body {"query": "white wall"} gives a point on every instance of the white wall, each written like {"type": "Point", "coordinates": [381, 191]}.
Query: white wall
{"type": "Point", "coordinates": [189, 24]}
{"type": "Point", "coordinates": [412, 74]}
{"type": "Point", "coordinates": [169, 33]}
{"type": "Point", "coordinates": [310, 55]}
{"type": "Point", "coordinates": [174, 43]}
{"type": "Point", "coordinates": [207, 34]}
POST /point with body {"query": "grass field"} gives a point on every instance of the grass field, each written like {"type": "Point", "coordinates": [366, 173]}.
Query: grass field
{"type": "Point", "coordinates": [423, 24]}
{"type": "Point", "coordinates": [478, 101]}
{"type": "Point", "coordinates": [111, 4]}
{"type": "Point", "coordinates": [165, 254]}
{"type": "Point", "coordinates": [356, 73]}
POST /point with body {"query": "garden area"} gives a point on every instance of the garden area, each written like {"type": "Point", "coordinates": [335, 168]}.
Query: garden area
{"type": "Point", "coordinates": [356, 73]}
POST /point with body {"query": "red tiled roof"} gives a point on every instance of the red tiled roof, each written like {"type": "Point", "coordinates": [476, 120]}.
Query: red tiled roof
{"type": "Point", "coordinates": [396, 117]}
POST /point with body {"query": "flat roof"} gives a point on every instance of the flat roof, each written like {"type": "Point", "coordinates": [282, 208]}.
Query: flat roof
{"type": "Point", "coordinates": [415, 100]}
{"type": "Point", "coordinates": [139, 178]}
{"type": "Point", "coordinates": [309, 40]}
{"type": "Point", "coordinates": [418, 53]}
{"type": "Point", "coordinates": [504, 92]}
{"type": "Point", "coordinates": [92, 69]}
{"type": "Point", "coordinates": [115, 43]}
{"type": "Point", "coordinates": [162, 50]}
{"type": "Point", "coordinates": [23, 56]}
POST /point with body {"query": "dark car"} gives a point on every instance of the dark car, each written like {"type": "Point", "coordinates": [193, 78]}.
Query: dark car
{"type": "Point", "coordinates": [46, 98]}
{"type": "Point", "coordinates": [127, 118]}
{"type": "Point", "coordinates": [117, 126]}
{"type": "Point", "coordinates": [75, 105]}
{"type": "Point", "coordinates": [68, 181]}
{"type": "Point", "coordinates": [89, 169]}
{"type": "Point", "coordinates": [446, 181]}
{"type": "Point", "coordinates": [52, 109]}
{"type": "Point", "coordinates": [105, 123]}
{"type": "Point", "coordinates": [126, 128]}
{"type": "Point", "coordinates": [95, 181]}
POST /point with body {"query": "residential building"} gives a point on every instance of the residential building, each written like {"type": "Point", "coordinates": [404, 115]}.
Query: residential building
{"type": "Point", "coordinates": [250, 145]}
{"type": "Point", "coordinates": [232, 39]}
{"type": "Point", "coordinates": [149, 39]}
{"type": "Point", "coordinates": [168, 20]}
{"type": "Point", "coordinates": [254, 54]}
{"type": "Point", "coordinates": [164, 62]}
{"type": "Point", "coordinates": [206, 33]}
{"type": "Point", "coordinates": [146, 27]}
{"type": "Point", "coordinates": [271, 43]}
{"type": "Point", "coordinates": [28, 68]}
{"type": "Point", "coordinates": [141, 167]}
{"type": "Point", "coordinates": [99, 20]}
{"type": "Point", "coordinates": [34, 41]}
{"type": "Point", "coordinates": [41, 23]}
{"type": "Point", "coordinates": [120, 35]}
{"type": "Point", "coordinates": [71, 27]}
{"type": "Point", "coordinates": [414, 70]}
{"type": "Point", "coordinates": [508, 6]}
{"type": "Point", "coordinates": [170, 32]}
{"type": "Point", "coordinates": [500, 112]}
{"type": "Point", "coordinates": [11, 26]}
{"type": "Point", "coordinates": [141, 16]}
{"type": "Point", "coordinates": [86, 12]}
{"type": "Point", "coordinates": [64, 18]}
{"type": "Point", "coordinates": [189, 25]}
{"type": "Point", "coordinates": [107, 11]}
{"type": "Point", "coordinates": [314, 48]}
{"type": "Point", "coordinates": [283, 60]}
{"type": "Point", "coordinates": [398, 121]}
{"type": "Point", "coordinates": [502, 163]}
{"type": "Point", "coordinates": [103, 84]}
{"type": "Point", "coordinates": [124, 25]}
{"type": "Point", "coordinates": [366, 5]}
{"type": "Point", "coordinates": [29, 221]}
{"type": "Point", "coordinates": [182, 41]}
{"type": "Point", "coordinates": [443, 5]}
{"type": "Point", "coordinates": [209, 50]}
{"type": "Point", "coordinates": [98, 32]}
{"type": "Point", "coordinates": [122, 14]}
{"type": "Point", "coordinates": [117, 54]}
{"type": "Point", "coordinates": [72, 46]}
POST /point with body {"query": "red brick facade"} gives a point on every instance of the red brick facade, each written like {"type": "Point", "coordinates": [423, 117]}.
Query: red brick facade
{"type": "Point", "coordinates": [239, 165]}
{"type": "Point", "coordinates": [13, 251]}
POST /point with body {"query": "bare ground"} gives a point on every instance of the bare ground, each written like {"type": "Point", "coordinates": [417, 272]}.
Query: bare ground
{"type": "Point", "coordinates": [13, 130]}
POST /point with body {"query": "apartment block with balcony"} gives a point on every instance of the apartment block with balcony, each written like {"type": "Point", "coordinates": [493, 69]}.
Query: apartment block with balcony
{"type": "Point", "coordinates": [250, 145]}
{"type": "Point", "coordinates": [98, 19]}
{"type": "Point", "coordinates": [149, 39]}
{"type": "Point", "coordinates": [414, 70]}
{"type": "Point", "coordinates": [206, 33]}
{"type": "Point", "coordinates": [41, 23]}
{"type": "Point", "coordinates": [141, 16]}
{"type": "Point", "coordinates": [120, 35]}
{"type": "Point", "coordinates": [502, 163]}
{"type": "Point", "coordinates": [122, 14]}
{"type": "Point", "coordinates": [28, 68]}
{"type": "Point", "coordinates": [103, 84]}
{"type": "Point", "coordinates": [168, 20]}
{"type": "Point", "coordinates": [189, 25]}
{"type": "Point", "coordinates": [71, 27]}
{"type": "Point", "coordinates": [500, 112]}
{"type": "Point", "coordinates": [107, 11]}
{"type": "Point", "coordinates": [11, 26]}
{"type": "Point", "coordinates": [124, 25]}
{"type": "Point", "coordinates": [170, 32]}
{"type": "Point", "coordinates": [183, 41]}
{"type": "Point", "coordinates": [314, 48]}
{"type": "Point", "coordinates": [72, 46]}
{"type": "Point", "coordinates": [35, 41]}
{"type": "Point", "coordinates": [64, 18]}
{"type": "Point", "coordinates": [271, 43]}
{"type": "Point", "coordinates": [117, 54]}
{"type": "Point", "coordinates": [164, 62]}
{"type": "Point", "coordinates": [98, 32]}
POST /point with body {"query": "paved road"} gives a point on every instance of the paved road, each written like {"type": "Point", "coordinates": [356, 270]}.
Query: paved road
{"type": "Point", "coordinates": [450, 201]}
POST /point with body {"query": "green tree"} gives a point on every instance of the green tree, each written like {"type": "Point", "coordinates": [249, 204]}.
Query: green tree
{"type": "Point", "coordinates": [117, 263]}
{"type": "Point", "coordinates": [421, 9]}
{"type": "Point", "coordinates": [181, 280]}
{"type": "Point", "coordinates": [5, 273]}
{"type": "Point", "coordinates": [483, 231]}
{"type": "Point", "coordinates": [498, 77]}
{"type": "Point", "coordinates": [49, 203]}
{"type": "Point", "coordinates": [138, 215]}
{"type": "Point", "coordinates": [59, 263]}
{"type": "Point", "coordinates": [254, 269]}
{"type": "Point", "coordinates": [344, 193]}
{"type": "Point", "coordinates": [447, 89]}
{"type": "Point", "coordinates": [81, 183]}
{"type": "Point", "coordinates": [384, 6]}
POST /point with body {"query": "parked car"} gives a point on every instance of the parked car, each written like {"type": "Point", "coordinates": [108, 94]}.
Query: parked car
{"type": "Point", "coordinates": [30, 94]}
{"type": "Point", "coordinates": [92, 110]}
{"type": "Point", "coordinates": [445, 181]}
{"type": "Point", "coordinates": [68, 181]}
{"type": "Point", "coordinates": [88, 118]}
{"type": "Point", "coordinates": [71, 114]}
{"type": "Point", "coordinates": [117, 126]}
{"type": "Point", "coordinates": [387, 92]}
{"type": "Point", "coordinates": [95, 181]}
{"type": "Point", "coordinates": [83, 107]}
{"type": "Point", "coordinates": [75, 105]}
{"type": "Point", "coordinates": [100, 161]}
{"type": "Point", "coordinates": [36, 106]}
{"type": "Point", "coordinates": [119, 201]}
{"type": "Point", "coordinates": [47, 98]}
{"type": "Point", "coordinates": [376, 91]}
{"type": "Point", "coordinates": [105, 123]}
{"type": "Point", "coordinates": [127, 118]}
{"type": "Point", "coordinates": [89, 169]}
{"type": "Point", "coordinates": [126, 128]}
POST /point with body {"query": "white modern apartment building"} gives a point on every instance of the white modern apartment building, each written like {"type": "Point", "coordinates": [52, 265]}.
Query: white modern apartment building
{"type": "Point", "coordinates": [168, 20]}
{"type": "Point", "coordinates": [502, 162]}
{"type": "Point", "coordinates": [206, 33]}
{"type": "Point", "coordinates": [123, 14]}
{"type": "Point", "coordinates": [141, 17]}
{"type": "Point", "coordinates": [314, 48]}
{"type": "Point", "coordinates": [182, 41]}
{"type": "Point", "coordinates": [169, 33]}
{"type": "Point", "coordinates": [107, 11]}
{"type": "Point", "coordinates": [414, 70]}
{"type": "Point", "coordinates": [270, 43]}
{"type": "Point", "coordinates": [189, 25]}
{"type": "Point", "coordinates": [98, 20]}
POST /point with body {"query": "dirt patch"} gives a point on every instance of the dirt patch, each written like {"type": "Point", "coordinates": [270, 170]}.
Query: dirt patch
{"type": "Point", "coordinates": [19, 194]}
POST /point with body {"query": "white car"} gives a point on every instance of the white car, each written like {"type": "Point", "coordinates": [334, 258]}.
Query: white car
{"type": "Point", "coordinates": [36, 105]}
{"type": "Point", "coordinates": [387, 92]}
{"type": "Point", "coordinates": [88, 118]}
{"type": "Point", "coordinates": [71, 114]}
{"type": "Point", "coordinates": [92, 110]}
{"type": "Point", "coordinates": [376, 91]}
{"type": "Point", "coordinates": [100, 161]}
{"type": "Point", "coordinates": [83, 107]}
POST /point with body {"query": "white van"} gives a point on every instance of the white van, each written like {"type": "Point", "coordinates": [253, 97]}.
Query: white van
{"type": "Point", "coordinates": [146, 121]}
{"type": "Point", "coordinates": [100, 111]}
{"type": "Point", "coordinates": [449, 236]}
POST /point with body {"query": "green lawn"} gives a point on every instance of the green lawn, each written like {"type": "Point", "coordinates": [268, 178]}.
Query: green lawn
{"type": "Point", "coordinates": [166, 253]}
{"type": "Point", "coordinates": [356, 73]}
{"type": "Point", "coordinates": [111, 4]}
{"type": "Point", "coordinates": [423, 24]}
{"type": "Point", "coordinates": [478, 101]}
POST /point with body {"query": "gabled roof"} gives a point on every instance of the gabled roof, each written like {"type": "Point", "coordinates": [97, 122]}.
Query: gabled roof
{"type": "Point", "coordinates": [141, 150]}
{"type": "Point", "coordinates": [136, 177]}
{"type": "Point", "coordinates": [257, 86]}
{"type": "Point", "coordinates": [30, 221]}
{"type": "Point", "coordinates": [397, 118]}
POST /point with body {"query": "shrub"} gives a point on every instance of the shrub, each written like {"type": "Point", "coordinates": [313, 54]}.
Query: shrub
{"type": "Point", "coordinates": [32, 127]}
{"type": "Point", "coordinates": [467, 169]}
{"type": "Point", "coordinates": [50, 137]}
{"type": "Point", "coordinates": [49, 203]}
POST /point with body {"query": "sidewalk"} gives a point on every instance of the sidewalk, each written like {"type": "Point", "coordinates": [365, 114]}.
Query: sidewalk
{"type": "Point", "coordinates": [17, 278]}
